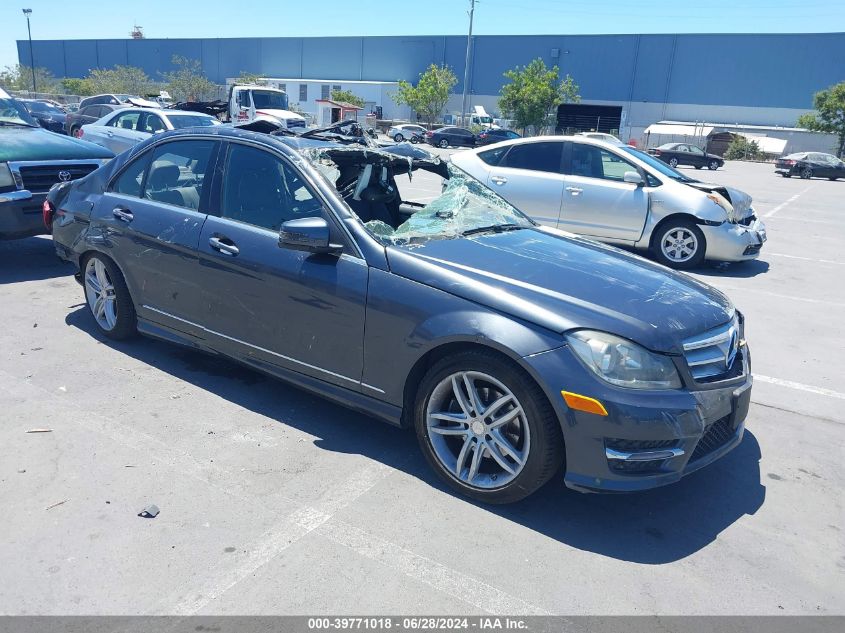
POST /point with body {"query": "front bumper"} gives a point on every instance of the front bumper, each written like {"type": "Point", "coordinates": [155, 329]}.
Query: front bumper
{"type": "Point", "coordinates": [649, 438]}
{"type": "Point", "coordinates": [730, 242]}
{"type": "Point", "coordinates": [20, 214]}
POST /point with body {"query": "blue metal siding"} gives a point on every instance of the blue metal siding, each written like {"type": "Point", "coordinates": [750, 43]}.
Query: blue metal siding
{"type": "Point", "coordinates": [733, 69]}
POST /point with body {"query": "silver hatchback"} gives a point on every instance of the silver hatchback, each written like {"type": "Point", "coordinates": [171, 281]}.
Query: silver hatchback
{"type": "Point", "coordinates": [620, 195]}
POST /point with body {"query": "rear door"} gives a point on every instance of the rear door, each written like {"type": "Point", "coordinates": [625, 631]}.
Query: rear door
{"type": "Point", "coordinates": [153, 212]}
{"type": "Point", "coordinates": [124, 131]}
{"type": "Point", "coordinates": [529, 176]}
{"type": "Point", "coordinates": [300, 311]}
{"type": "Point", "coordinates": [697, 157]}
{"type": "Point", "coordinates": [596, 200]}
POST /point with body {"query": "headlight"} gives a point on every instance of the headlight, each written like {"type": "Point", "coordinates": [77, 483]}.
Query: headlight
{"type": "Point", "coordinates": [6, 179]}
{"type": "Point", "coordinates": [622, 362]}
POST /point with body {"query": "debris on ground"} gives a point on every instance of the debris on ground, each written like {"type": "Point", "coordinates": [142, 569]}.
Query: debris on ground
{"type": "Point", "coordinates": [40, 431]}
{"type": "Point", "coordinates": [58, 503]}
{"type": "Point", "coordinates": [150, 512]}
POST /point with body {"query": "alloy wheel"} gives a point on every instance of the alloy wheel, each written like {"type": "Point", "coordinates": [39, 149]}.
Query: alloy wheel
{"type": "Point", "coordinates": [679, 245]}
{"type": "Point", "coordinates": [398, 138]}
{"type": "Point", "coordinates": [100, 293]}
{"type": "Point", "coordinates": [807, 172]}
{"type": "Point", "coordinates": [673, 162]}
{"type": "Point", "coordinates": [444, 143]}
{"type": "Point", "coordinates": [478, 429]}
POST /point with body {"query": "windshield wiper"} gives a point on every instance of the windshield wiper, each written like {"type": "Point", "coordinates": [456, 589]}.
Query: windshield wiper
{"type": "Point", "coordinates": [494, 228]}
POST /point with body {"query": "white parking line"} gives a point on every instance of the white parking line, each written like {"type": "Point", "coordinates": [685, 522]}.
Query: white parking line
{"type": "Point", "coordinates": [787, 202]}
{"type": "Point", "coordinates": [449, 581]}
{"type": "Point", "coordinates": [826, 302]}
{"type": "Point", "coordinates": [800, 386]}
{"type": "Point", "coordinates": [807, 259]}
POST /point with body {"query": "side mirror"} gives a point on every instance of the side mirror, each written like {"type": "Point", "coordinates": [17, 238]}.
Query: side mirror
{"type": "Point", "coordinates": [634, 178]}
{"type": "Point", "coordinates": [311, 235]}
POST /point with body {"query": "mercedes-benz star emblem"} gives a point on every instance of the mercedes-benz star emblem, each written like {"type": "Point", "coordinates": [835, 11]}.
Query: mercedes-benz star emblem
{"type": "Point", "coordinates": [733, 348]}
{"type": "Point", "coordinates": [64, 175]}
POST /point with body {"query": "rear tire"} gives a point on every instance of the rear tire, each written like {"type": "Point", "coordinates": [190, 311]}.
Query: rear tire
{"type": "Point", "coordinates": [786, 174]}
{"type": "Point", "coordinates": [679, 244]}
{"type": "Point", "coordinates": [107, 297]}
{"type": "Point", "coordinates": [74, 131]}
{"type": "Point", "coordinates": [807, 173]}
{"type": "Point", "coordinates": [673, 162]}
{"type": "Point", "coordinates": [443, 143]}
{"type": "Point", "coordinates": [467, 444]}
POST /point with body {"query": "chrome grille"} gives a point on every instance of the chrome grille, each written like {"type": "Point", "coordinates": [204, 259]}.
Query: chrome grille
{"type": "Point", "coordinates": [713, 354]}
{"type": "Point", "coordinates": [39, 178]}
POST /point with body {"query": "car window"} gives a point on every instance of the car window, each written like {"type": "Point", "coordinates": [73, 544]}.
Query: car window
{"type": "Point", "coordinates": [696, 150]}
{"type": "Point", "coordinates": [261, 189]}
{"type": "Point", "coordinates": [177, 172]}
{"type": "Point", "coordinates": [536, 156]}
{"type": "Point", "coordinates": [151, 123]}
{"type": "Point", "coordinates": [493, 156]}
{"type": "Point", "coordinates": [594, 162]}
{"type": "Point", "coordinates": [179, 121]}
{"type": "Point", "coordinates": [125, 121]}
{"type": "Point", "coordinates": [129, 182]}
{"type": "Point", "coordinates": [682, 148]}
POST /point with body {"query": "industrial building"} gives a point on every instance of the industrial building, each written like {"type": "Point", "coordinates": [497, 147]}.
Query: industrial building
{"type": "Point", "coordinates": [765, 80]}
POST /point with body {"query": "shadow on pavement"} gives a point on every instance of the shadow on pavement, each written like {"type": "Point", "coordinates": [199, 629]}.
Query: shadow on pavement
{"type": "Point", "coordinates": [739, 270]}
{"type": "Point", "coordinates": [654, 527]}
{"type": "Point", "coordinates": [30, 259]}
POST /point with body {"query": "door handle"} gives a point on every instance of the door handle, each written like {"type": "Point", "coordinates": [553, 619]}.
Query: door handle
{"type": "Point", "coordinates": [227, 248]}
{"type": "Point", "coordinates": [123, 214]}
{"type": "Point", "coordinates": [109, 133]}
{"type": "Point", "coordinates": [574, 190]}
{"type": "Point", "coordinates": [499, 180]}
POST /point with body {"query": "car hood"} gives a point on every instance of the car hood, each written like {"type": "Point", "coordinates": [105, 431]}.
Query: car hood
{"type": "Point", "coordinates": [280, 114]}
{"type": "Point", "coordinates": [35, 143]}
{"type": "Point", "coordinates": [740, 201]}
{"type": "Point", "coordinates": [562, 282]}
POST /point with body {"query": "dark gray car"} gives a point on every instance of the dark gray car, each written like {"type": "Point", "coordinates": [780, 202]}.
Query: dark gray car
{"type": "Point", "coordinates": [511, 348]}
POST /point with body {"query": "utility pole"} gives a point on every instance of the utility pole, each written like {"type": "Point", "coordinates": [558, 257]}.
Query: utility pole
{"type": "Point", "coordinates": [466, 69]}
{"type": "Point", "coordinates": [27, 13]}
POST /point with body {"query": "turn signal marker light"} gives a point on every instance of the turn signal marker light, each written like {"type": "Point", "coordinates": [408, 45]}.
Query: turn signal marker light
{"type": "Point", "coordinates": [583, 403]}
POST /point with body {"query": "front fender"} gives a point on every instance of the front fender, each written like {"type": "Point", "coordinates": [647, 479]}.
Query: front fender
{"type": "Point", "coordinates": [406, 320]}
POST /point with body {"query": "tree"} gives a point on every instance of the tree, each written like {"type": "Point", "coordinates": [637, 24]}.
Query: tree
{"type": "Point", "coordinates": [829, 115]}
{"type": "Point", "coordinates": [74, 86]}
{"type": "Point", "coordinates": [119, 80]}
{"type": "Point", "coordinates": [347, 96]}
{"type": "Point", "coordinates": [429, 96]}
{"type": "Point", "coordinates": [741, 148]}
{"type": "Point", "coordinates": [532, 93]}
{"type": "Point", "coordinates": [247, 78]}
{"type": "Point", "coordinates": [19, 77]}
{"type": "Point", "coordinates": [187, 82]}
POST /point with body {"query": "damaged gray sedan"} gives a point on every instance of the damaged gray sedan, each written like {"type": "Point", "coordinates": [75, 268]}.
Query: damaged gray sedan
{"type": "Point", "coordinates": [515, 351]}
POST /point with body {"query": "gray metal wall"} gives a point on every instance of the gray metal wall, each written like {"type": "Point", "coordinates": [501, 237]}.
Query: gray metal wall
{"type": "Point", "coordinates": [770, 71]}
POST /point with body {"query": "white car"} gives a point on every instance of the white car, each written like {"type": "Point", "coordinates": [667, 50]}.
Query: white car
{"type": "Point", "coordinates": [601, 136]}
{"type": "Point", "coordinates": [620, 195]}
{"type": "Point", "coordinates": [404, 131]}
{"type": "Point", "coordinates": [125, 128]}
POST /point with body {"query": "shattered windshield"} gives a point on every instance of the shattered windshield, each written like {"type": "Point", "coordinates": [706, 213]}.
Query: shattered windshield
{"type": "Point", "coordinates": [464, 207]}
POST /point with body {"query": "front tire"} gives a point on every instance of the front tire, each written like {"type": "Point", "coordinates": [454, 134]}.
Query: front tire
{"type": "Point", "coordinates": [713, 165]}
{"type": "Point", "coordinates": [486, 428]}
{"type": "Point", "coordinates": [673, 162]}
{"type": "Point", "coordinates": [443, 143]}
{"type": "Point", "coordinates": [679, 244]}
{"type": "Point", "coordinates": [108, 298]}
{"type": "Point", "coordinates": [807, 173]}
{"type": "Point", "coordinates": [399, 138]}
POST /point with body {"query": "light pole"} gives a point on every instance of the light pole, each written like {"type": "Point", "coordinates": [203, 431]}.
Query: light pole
{"type": "Point", "coordinates": [27, 13]}
{"type": "Point", "coordinates": [466, 69]}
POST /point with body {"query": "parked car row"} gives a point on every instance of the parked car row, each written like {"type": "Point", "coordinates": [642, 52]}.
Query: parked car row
{"type": "Point", "coordinates": [810, 165]}
{"type": "Point", "coordinates": [674, 154]}
{"type": "Point", "coordinates": [511, 348]}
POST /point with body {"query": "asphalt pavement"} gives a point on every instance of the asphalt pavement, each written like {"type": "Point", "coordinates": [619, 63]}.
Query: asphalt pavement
{"type": "Point", "coordinates": [273, 501]}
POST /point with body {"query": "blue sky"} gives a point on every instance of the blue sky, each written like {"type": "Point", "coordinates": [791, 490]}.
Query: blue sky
{"type": "Point", "coordinates": [87, 19]}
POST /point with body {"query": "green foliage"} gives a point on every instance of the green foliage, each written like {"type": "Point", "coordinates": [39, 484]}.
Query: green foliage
{"type": "Point", "coordinates": [830, 114]}
{"type": "Point", "coordinates": [19, 77]}
{"type": "Point", "coordinates": [347, 96]}
{"type": "Point", "coordinates": [187, 82]}
{"type": "Point", "coordinates": [118, 80]}
{"type": "Point", "coordinates": [247, 78]}
{"type": "Point", "coordinates": [73, 86]}
{"type": "Point", "coordinates": [532, 93]}
{"type": "Point", "coordinates": [743, 149]}
{"type": "Point", "coordinates": [429, 96]}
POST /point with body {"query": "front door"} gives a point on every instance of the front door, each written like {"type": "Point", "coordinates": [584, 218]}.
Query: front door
{"type": "Point", "coordinates": [153, 213]}
{"type": "Point", "coordinates": [529, 176]}
{"type": "Point", "coordinates": [596, 200]}
{"type": "Point", "coordinates": [296, 310]}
